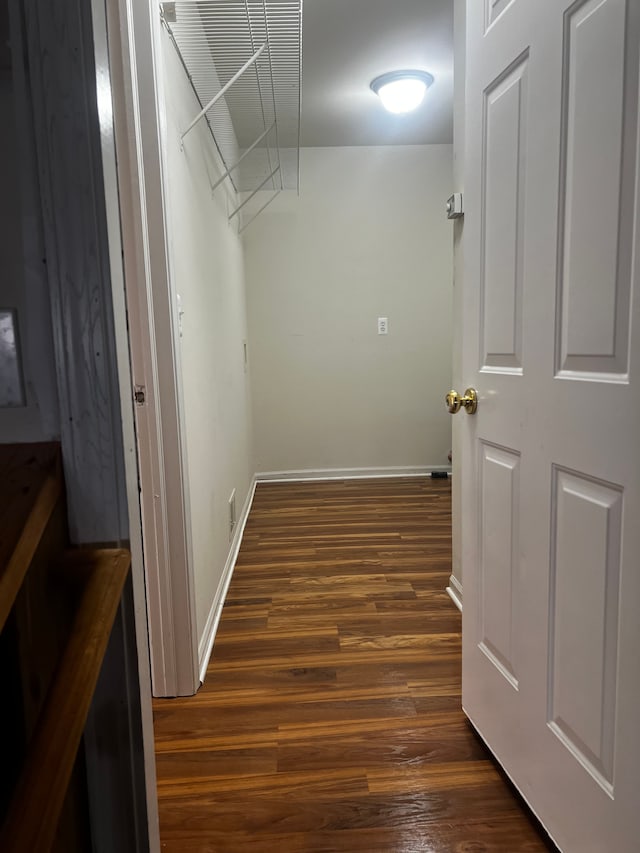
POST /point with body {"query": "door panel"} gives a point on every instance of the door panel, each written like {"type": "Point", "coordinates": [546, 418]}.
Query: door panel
{"type": "Point", "coordinates": [504, 158]}
{"type": "Point", "coordinates": [584, 619]}
{"type": "Point", "coordinates": [499, 532]}
{"type": "Point", "coordinates": [493, 10]}
{"type": "Point", "coordinates": [551, 488]}
{"type": "Point", "coordinates": [593, 332]}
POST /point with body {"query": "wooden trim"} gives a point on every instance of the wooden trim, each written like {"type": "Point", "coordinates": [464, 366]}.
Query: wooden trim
{"type": "Point", "coordinates": [207, 640]}
{"type": "Point", "coordinates": [35, 809]}
{"type": "Point", "coordinates": [348, 473]}
{"type": "Point", "coordinates": [13, 574]}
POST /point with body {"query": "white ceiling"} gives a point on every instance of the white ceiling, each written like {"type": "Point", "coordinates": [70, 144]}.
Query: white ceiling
{"type": "Point", "coordinates": [346, 43]}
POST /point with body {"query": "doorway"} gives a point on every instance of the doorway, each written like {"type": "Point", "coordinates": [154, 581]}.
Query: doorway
{"type": "Point", "coordinates": [315, 343]}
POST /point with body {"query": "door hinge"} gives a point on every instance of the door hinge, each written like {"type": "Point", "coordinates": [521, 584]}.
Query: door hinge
{"type": "Point", "coordinates": [140, 395]}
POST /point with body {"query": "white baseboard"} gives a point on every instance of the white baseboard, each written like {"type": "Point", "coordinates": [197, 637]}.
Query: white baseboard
{"type": "Point", "coordinates": [205, 647]}
{"type": "Point", "coordinates": [454, 591]}
{"type": "Point", "coordinates": [348, 473]}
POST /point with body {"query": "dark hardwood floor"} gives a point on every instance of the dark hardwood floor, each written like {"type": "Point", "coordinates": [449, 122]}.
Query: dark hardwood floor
{"type": "Point", "coordinates": [330, 718]}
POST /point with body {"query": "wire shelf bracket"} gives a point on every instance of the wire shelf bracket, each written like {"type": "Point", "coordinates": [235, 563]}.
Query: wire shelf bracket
{"type": "Point", "coordinates": [243, 59]}
{"type": "Point", "coordinates": [224, 89]}
{"type": "Point", "coordinates": [231, 169]}
{"type": "Point", "coordinates": [246, 224]}
{"type": "Point", "coordinates": [255, 192]}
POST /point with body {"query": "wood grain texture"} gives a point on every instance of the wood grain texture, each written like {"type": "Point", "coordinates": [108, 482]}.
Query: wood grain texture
{"type": "Point", "coordinates": [66, 95]}
{"type": "Point", "coordinates": [60, 68]}
{"type": "Point", "coordinates": [330, 719]}
{"type": "Point", "coordinates": [33, 816]}
{"type": "Point", "coordinates": [30, 488]}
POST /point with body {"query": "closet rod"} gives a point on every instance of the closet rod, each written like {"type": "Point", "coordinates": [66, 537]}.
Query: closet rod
{"type": "Point", "coordinates": [237, 163]}
{"type": "Point", "coordinates": [257, 190]}
{"type": "Point", "coordinates": [225, 88]}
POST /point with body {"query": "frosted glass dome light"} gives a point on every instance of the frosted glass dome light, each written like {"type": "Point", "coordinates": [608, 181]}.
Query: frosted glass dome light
{"type": "Point", "coordinates": [402, 91]}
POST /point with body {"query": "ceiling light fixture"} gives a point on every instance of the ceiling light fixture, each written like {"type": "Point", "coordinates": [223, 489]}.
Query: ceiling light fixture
{"type": "Point", "coordinates": [402, 91]}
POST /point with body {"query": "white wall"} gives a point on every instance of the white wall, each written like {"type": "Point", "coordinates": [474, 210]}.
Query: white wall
{"type": "Point", "coordinates": [367, 238]}
{"type": "Point", "coordinates": [208, 271]}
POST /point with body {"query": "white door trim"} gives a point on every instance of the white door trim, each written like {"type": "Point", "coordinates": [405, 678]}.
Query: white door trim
{"type": "Point", "coordinates": [113, 221]}
{"type": "Point", "coordinates": [454, 591]}
{"type": "Point", "coordinates": [154, 344]}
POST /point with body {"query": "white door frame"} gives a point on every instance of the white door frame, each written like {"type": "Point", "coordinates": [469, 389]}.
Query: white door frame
{"type": "Point", "coordinates": [133, 27]}
{"type": "Point", "coordinates": [113, 222]}
{"type": "Point", "coordinates": [454, 588]}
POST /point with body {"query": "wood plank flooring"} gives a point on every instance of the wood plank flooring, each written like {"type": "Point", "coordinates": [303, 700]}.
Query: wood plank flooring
{"type": "Point", "coordinates": [330, 718]}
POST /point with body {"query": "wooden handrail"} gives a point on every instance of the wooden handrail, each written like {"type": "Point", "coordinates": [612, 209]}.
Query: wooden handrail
{"type": "Point", "coordinates": [34, 812]}
{"type": "Point", "coordinates": [39, 508]}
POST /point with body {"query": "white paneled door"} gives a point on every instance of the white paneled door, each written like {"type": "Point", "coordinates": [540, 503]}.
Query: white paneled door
{"type": "Point", "coordinates": [551, 459]}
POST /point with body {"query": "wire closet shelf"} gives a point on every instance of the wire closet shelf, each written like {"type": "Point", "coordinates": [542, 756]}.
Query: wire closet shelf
{"type": "Point", "coordinates": [244, 61]}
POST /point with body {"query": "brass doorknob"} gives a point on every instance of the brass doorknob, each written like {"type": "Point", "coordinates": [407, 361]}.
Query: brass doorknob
{"type": "Point", "coordinates": [469, 401]}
